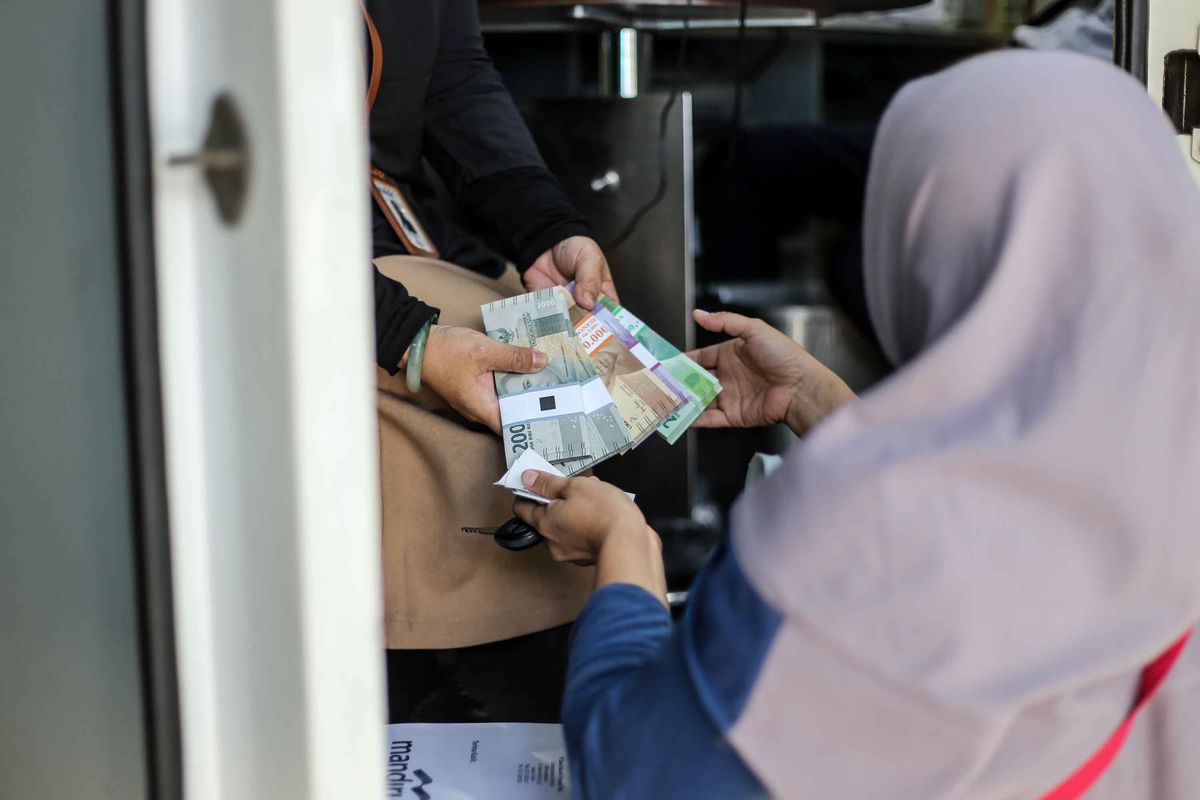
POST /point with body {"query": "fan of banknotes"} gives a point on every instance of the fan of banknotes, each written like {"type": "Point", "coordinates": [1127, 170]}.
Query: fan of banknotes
{"type": "Point", "coordinates": [609, 382]}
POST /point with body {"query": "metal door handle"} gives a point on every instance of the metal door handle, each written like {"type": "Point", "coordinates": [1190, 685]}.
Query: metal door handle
{"type": "Point", "coordinates": [210, 159]}
{"type": "Point", "coordinates": [609, 180]}
{"type": "Point", "coordinates": [225, 159]}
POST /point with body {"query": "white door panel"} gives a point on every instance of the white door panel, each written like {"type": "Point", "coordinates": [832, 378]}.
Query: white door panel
{"type": "Point", "coordinates": [266, 349]}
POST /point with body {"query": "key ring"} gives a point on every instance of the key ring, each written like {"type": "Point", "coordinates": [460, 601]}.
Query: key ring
{"type": "Point", "coordinates": [516, 534]}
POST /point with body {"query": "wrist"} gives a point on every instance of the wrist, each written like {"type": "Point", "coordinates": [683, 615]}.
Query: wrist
{"type": "Point", "coordinates": [632, 554]}
{"type": "Point", "coordinates": [815, 398]}
{"type": "Point", "coordinates": [429, 354]}
{"type": "Point", "coordinates": [631, 534]}
{"type": "Point", "coordinates": [433, 326]}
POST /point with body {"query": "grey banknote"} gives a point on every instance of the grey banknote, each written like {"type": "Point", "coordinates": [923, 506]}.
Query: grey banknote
{"type": "Point", "coordinates": [562, 412]}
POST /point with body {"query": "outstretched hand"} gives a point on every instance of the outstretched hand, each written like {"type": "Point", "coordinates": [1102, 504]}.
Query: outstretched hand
{"type": "Point", "coordinates": [765, 377]}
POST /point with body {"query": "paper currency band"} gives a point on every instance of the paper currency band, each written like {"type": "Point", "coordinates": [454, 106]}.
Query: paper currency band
{"type": "Point", "coordinates": [559, 401]}
{"type": "Point", "coordinates": [595, 395]}
{"type": "Point", "coordinates": [643, 355]}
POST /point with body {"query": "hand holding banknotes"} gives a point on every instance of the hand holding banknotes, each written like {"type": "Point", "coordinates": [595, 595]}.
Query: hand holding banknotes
{"type": "Point", "coordinates": [459, 363]}
{"type": "Point", "coordinates": [766, 377]}
{"type": "Point", "coordinates": [578, 259]}
{"type": "Point", "coordinates": [593, 522]}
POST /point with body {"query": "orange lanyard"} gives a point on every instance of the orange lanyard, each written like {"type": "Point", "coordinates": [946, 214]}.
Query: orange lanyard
{"type": "Point", "coordinates": [376, 60]}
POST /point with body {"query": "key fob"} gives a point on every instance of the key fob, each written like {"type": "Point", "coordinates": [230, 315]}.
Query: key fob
{"type": "Point", "coordinates": [517, 535]}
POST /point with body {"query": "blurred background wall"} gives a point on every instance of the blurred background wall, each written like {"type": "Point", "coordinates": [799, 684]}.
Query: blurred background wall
{"type": "Point", "coordinates": [70, 693]}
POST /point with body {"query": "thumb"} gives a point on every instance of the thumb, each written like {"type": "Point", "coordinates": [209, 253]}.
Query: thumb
{"type": "Point", "coordinates": [507, 358]}
{"type": "Point", "coordinates": [725, 322]}
{"type": "Point", "coordinates": [545, 484]}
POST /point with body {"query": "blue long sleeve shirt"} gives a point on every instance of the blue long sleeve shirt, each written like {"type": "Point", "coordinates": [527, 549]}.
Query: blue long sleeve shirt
{"type": "Point", "coordinates": [638, 724]}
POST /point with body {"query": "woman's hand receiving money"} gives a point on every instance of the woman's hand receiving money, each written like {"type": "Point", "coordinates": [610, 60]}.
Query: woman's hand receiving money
{"type": "Point", "coordinates": [765, 377]}
{"type": "Point", "coordinates": [458, 366]}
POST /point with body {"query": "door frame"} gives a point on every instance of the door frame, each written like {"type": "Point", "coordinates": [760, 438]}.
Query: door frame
{"type": "Point", "coordinates": [152, 556]}
{"type": "Point", "coordinates": [270, 443]}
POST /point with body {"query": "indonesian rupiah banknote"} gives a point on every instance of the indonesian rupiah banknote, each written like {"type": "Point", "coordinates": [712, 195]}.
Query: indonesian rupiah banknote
{"type": "Point", "coordinates": [563, 411]}
{"type": "Point", "coordinates": [643, 355]}
{"type": "Point", "coordinates": [642, 398]}
{"type": "Point", "coordinates": [700, 384]}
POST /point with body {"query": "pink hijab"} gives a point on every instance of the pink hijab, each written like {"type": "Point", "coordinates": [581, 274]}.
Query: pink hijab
{"type": "Point", "coordinates": [975, 560]}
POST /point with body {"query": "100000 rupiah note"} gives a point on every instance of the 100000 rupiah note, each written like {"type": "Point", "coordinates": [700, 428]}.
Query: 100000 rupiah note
{"type": "Point", "coordinates": [642, 398]}
{"type": "Point", "coordinates": [643, 355]}
{"type": "Point", "coordinates": [702, 385]}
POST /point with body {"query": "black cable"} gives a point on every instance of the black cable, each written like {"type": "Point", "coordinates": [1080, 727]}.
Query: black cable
{"type": "Point", "coordinates": [769, 57]}
{"type": "Point", "coordinates": [661, 192]}
{"type": "Point", "coordinates": [739, 79]}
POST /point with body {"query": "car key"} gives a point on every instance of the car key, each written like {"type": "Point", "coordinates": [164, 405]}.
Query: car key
{"type": "Point", "coordinates": [516, 534]}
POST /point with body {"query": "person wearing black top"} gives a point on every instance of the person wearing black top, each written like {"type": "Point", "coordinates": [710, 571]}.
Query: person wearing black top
{"type": "Point", "coordinates": [442, 103]}
{"type": "Point", "coordinates": [474, 632]}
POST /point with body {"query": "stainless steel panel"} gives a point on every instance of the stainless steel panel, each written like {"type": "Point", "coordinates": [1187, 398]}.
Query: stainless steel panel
{"type": "Point", "coordinates": [583, 140]}
{"type": "Point", "coordinates": [834, 341]}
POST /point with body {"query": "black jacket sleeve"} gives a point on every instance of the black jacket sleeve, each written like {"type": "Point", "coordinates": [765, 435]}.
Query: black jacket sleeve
{"type": "Point", "coordinates": [398, 317]}
{"type": "Point", "coordinates": [479, 144]}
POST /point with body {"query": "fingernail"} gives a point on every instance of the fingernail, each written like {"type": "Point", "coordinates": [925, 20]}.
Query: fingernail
{"type": "Point", "coordinates": [539, 359]}
{"type": "Point", "coordinates": [529, 477]}
{"type": "Point", "coordinates": [701, 312]}
{"type": "Point", "coordinates": [589, 299]}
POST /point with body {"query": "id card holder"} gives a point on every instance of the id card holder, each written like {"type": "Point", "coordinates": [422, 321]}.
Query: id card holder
{"type": "Point", "coordinates": [400, 215]}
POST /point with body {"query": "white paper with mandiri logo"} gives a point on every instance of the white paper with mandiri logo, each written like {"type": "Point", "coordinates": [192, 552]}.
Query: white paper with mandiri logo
{"type": "Point", "coordinates": [477, 761]}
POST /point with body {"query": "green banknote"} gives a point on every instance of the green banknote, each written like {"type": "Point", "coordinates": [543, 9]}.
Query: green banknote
{"type": "Point", "coordinates": [702, 386]}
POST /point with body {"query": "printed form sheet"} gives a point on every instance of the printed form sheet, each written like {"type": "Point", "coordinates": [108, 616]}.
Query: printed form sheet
{"type": "Point", "coordinates": [477, 761]}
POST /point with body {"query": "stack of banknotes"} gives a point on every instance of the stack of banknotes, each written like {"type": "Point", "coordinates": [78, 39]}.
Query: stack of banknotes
{"type": "Point", "coordinates": [609, 382]}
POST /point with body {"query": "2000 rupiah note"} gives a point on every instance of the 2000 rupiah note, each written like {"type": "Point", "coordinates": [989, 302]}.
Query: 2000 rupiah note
{"type": "Point", "coordinates": [701, 385]}
{"type": "Point", "coordinates": [562, 411]}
